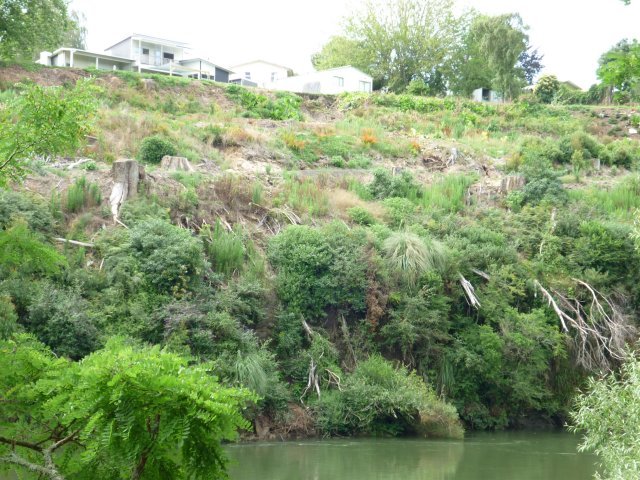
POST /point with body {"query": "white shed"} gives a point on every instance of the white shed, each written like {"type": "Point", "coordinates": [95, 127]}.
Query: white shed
{"type": "Point", "coordinates": [486, 95]}
{"type": "Point", "coordinates": [259, 72]}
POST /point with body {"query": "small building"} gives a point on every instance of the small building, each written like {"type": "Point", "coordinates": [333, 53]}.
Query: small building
{"type": "Point", "coordinates": [259, 72]}
{"type": "Point", "coordinates": [486, 95]}
{"type": "Point", "coordinates": [141, 53]}
{"type": "Point", "coordinates": [331, 81]}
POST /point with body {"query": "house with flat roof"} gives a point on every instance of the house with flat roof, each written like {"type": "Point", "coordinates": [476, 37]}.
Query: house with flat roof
{"type": "Point", "coordinates": [142, 53]}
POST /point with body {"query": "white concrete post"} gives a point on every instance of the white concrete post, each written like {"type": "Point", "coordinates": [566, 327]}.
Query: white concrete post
{"type": "Point", "coordinates": [71, 59]}
{"type": "Point", "coordinates": [139, 55]}
{"type": "Point", "coordinates": [97, 63]}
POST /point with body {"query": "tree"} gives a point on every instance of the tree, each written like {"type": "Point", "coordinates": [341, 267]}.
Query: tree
{"type": "Point", "coordinates": [620, 70]}
{"type": "Point", "coordinates": [76, 34]}
{"type": "Point", "coordinates": [397, 41]}
{"type": "Point", "coordinates": [502, 40]}
{"type": "Point", "coordinates": [530, 62]}
{"type": "Point", "coordinates": [29, 26]}
{"type": "Point", "coordinates": [43, 121]}
{"type": "Point", "coordinates": [340, 51]}
{"type": "Point", "coordinates": [546, 88]}
{"type": "Point", "coordinates": [609, 415]}
{"type": "Point", "coordinates": [494, 52]}
{"type": "Point", "coordinates": [123, 412]}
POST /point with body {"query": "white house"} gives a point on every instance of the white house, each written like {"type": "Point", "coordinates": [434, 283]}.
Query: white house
{"type": "Point", "coordinates": [331, 81]}
{"type": "Point", "coordinates": [142, 53]}
{"type": "Point", "coordinates": [259, 72]}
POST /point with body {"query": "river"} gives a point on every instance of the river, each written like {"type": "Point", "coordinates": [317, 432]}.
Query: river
{"type": "Point", "coordinates": [481, 456]}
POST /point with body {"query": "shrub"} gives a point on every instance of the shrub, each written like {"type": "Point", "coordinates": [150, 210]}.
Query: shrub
{"type": "Point", "coordinates": [385, 185]}
{"type": "Point", "coordinates": [361, 216]}
{"type": "Point", "coordinates": [22, 252]}
{"type": "Point", "coordinates": [546, 88]}
{"type": "Point", "coordinates": [399, 211]}
{"type": "Point", "coordinates": [169, 258]}
{"type": "Point", "coordinates": [153, 148]}
{"type": "Point", "coordinates": [380, 399]}
{"type": "Point", "coordinates": [318, 268]}
{"type": "Point", "coordinates": [410, 255]}
{"type": "Point", "coordinates": [14, 205]}
{"type": "Point", "coordinates": [59, 319]}
{"type": "Point", "coordinates": [608, 414]}
{"type": "Point", "coordinates": [285, 106]}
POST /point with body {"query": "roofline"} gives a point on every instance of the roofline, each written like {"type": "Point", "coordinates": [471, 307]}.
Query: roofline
{"type": "Point", "coordinates": [208, 61]}
{"type": "Point", "coordinates": [261, 61]}
{"type": "Point", "coordinates": [345, 66]}
{"type": "Point", "coordinates": [94, 54]}
{"type": "Point", "coordinates": [175, 42]}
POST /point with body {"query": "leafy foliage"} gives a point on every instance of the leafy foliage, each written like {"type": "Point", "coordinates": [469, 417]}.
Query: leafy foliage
{"type": "Point", "coordinates": [608, 413]}
{"type": "Point", "coordinates": [284, 107]}
{"type": "Point", "coordinates": [44, 121]}
{"type": "Point", "coordinates": [138, 411]}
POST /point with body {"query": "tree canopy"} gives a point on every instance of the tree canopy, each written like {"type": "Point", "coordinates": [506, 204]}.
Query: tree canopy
{"type": "Point", "coordinates": [29, 26]}
{"type": "Point", "coordinates": [620, 69]}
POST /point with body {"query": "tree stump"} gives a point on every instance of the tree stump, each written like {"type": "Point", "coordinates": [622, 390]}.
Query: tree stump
{"type": "Point", "coordinates": [126, 175]}
{"type": "Point", "coordinates": [176, 163]}
{"type": "Point", "coordinates": [512, 182]}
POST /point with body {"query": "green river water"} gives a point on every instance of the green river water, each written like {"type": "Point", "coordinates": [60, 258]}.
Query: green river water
{"type": "Point", "coordinates": [481, 456]}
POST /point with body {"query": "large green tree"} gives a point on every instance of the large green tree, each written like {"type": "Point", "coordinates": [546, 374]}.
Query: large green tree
{"type": "Point", "coordinates": [620, 70]}
{"type": "Point", "coordinates": [123, 412]}
{"type": "Point", "coordinates": [501, 40]}
{"type": "Point", "coordinates": [29, 26]}
{"type": "Point", "coordinates": [396, 41]}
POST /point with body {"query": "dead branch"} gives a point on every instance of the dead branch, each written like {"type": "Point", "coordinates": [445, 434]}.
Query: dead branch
{"type": "Point", "coordinates": [347, 339]}
{"type": "Point", "coordinates": [334, 378]}
{"type": "Point", "coordinates": [470, 293]}
{"type": "Point", "coordinates": [480, 273]}
{"type": "Point", "coordinates": [598, 328]}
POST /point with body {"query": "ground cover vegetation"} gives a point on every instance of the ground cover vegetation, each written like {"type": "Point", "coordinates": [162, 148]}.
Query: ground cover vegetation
{"type": "Point", "coordinates": [366, 264]}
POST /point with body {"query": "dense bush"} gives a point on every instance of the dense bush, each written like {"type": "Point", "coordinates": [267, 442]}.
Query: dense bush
{"type": "Point", "coordinates": [34, 211]}
{"type": "Point", "coordinates": [385, 185]}
{"type": "Point", "coordinates": [82, 194]}
{"type": "Point", "coordinates": [319, 267]}
{"type": "Point", "coordinates": [382, 400]}
{"type": "Point", "coordinates": [60, 319]}
{"type": "Point", "coordinates": [152, 149]}
{"type": "Point", "coordinates": [546, 88]}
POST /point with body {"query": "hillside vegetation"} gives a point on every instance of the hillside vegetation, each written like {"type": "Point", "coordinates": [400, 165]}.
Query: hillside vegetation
{"type": "Point", "coordinates": [366, 264]}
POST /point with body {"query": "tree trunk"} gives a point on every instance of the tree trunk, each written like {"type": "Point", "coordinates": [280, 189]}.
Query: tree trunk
{"type": "Point", "coordinates": [126, 175]}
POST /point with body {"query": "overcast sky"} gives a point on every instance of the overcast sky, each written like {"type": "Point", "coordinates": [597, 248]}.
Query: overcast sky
{"type": "Point", "coordinates": [571, 34]}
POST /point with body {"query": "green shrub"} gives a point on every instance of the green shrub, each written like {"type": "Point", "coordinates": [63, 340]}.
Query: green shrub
{"type": "Point", "coordinates": [385, 185]}
{"type": "Point", "coordinates": [379, 399]}
{"type": "Point", "coordinates": [153, 148]}
{"type": "Point", "coordinates": [59, 319]}
{"type": "Point", "coordinates": [361, 216]}
{"type": "Point", "coordinates": [285, 106]}
{"type": "Point", "coordinates": [546, 88]}
{"type": "Point", "coordinates": [624, 153]}
{"type": "Point", "coordinates": [23, 253]}
{"type": "Point", "coordinates": [319, 267]}
{"type": "Point", "coordinates": [399, 211]}
{"type": "Point", "coordinates": [14, 205]}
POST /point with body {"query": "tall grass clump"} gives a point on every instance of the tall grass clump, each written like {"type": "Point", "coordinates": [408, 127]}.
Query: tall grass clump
{"type": "Point", "coordinates": [304, 196]}
{"type": "Point", "coordinates": [81, 195]}
{"type": "Point", "coordinates": [447, 194]}
{"type": "Point", "coordinates": [410, 255]}
{"type": "Point", "coordinates": [224, 249]}
{"type": "Point", "coordinates": [619, 201]}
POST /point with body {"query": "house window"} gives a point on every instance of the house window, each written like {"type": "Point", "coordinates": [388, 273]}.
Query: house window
{"type": "Point", "coordinates": [145, 51]}
{"type": "Point", "coordinates": [365, 86]}
{"type": "Point", "coordinates": [247, 75]}
{"type": "Point", "coordinates": [274, 76]}
{"type": "Point", "coordinates": [340, 81]}
{"type": "Point", "coordinates": [167, 56]}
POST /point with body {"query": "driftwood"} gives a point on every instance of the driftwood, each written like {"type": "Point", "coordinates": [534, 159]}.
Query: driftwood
{"type": "Point", "coordinates": [126, 175]}
{"type": "Point", "coordinates": [469, 292]}
{"type": "Point", "coordinates": [598, 328]}
{"type": "Point", "coordinates": [74, 242]}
